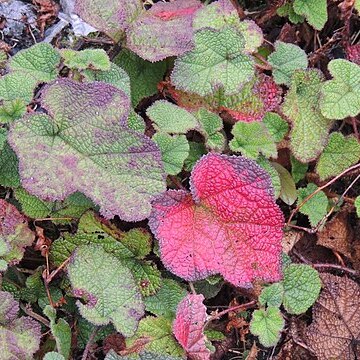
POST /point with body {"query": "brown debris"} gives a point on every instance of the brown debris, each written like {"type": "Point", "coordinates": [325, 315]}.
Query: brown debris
{"type": "Point", "coordinates": [337, 235]}
{"type": "Point", "coordinates": [336, 316]}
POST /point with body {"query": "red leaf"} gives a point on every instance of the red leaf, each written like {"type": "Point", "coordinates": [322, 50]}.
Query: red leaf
{"type": "Point", "coordinates": [188, 327]}
{"type": "Point", "coordinates": [230, 224]}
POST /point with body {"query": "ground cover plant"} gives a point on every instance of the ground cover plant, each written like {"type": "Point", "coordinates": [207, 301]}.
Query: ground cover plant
{"type": "Point", "coordinates": [179, 180]}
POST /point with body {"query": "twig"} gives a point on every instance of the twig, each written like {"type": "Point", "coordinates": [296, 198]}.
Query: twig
{"type": "Point", "coordinates": [88, 344]}
{"type": "Point", "coordinates": [319, 189]}
{"type": "Point", "coordinates": [28, 311]}
{"type": "Point", "coordinates": [234, 308]}
{"type": "Point", "coordinates": [192, 288]}
{"type": "Point", "coordinates": [325, 266]}
{"type": "Point", "coordinates": [265, 65]}
{"type": "Point", "coordinates": [49, 278]}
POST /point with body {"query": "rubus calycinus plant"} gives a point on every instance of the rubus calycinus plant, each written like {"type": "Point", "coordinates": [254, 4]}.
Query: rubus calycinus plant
{"type": "Point", "coordinates": [188, 173]}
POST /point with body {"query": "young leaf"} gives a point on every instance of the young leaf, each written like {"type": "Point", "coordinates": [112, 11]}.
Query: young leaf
{"type": "Point", "coordinates": [144, 75]}
{"type": "Point", "coordinates": [61, 332]}
{"type": "Point", "coordinates": [221, 13]}
{"type": "Point", "coordinates": [110, 17]}
{"type": "Point", "coordinates": [210, 125]}
{"type": "Point", "coordinates": [309, 127]}
{"type": "Point", "coordinates": [112, 355]}
{"type": "Point", "coordinates": [197, 150]}
{"type": "Point", "coordinates": [130, 248]}
{"type": "Point", "coordinates": [115, 76]}
{"type": "Point", "coordinates": [164, 30]}
{"type": "Point", "coordinates": [288, 192]}
{"type": "Point", "coordinates": [58, 153]}
{"type": "Point", "coordinates": [39, 61]}
{"type": "Point", "coordinates": [218, 60]}
{"type": "Point", "coordinates": [298, 169]}
{"type": "Point", "coordinates": [52, 355]}
{"type": "Point", "coordinates": [272, 295]}
{"type": "Point", "coordinates": [188, 326]}
{"type": "Point", "coordinates": [13, 109]}
{"type": "Point", "coordinates": [316, 207]}
{"type": "Point", "coordinates": [276, 126]}
{"type": "Point", "coordinates": [285, 60]}
{"type": "Point", "coordinates": [221, 227]}
{"type": "Point", "coordinates": [95, 59]}
{"type": "Point", "coordinates": [159, 334]}
{"type": "Point", "coordinates": [174, 150]}
{"type": "Point", "coordinates": [339, 154]}
{"type": "Point", "coordinates": [15, 234]}
{"type": "Point", "coordinates": [301, 288]}
{"type": "Point", "coordinates": [170, 118]}
{"type": "Point", "coordinates": [267, 325]}
{"type": "Point", "coordinates": [288, 10]}
{"type": "Point", "coordinates": [108, 288]}
{"type": "Point", "coordinates": [341, 95]}
{"type": "Point", "coordinates": [19, 337]}
{"type": "Point", "coordinates": [251, 139]}
{"type": "Point", "coordinates": [315, 12]}
{"type": "Point", "coordinates": [165, 301]}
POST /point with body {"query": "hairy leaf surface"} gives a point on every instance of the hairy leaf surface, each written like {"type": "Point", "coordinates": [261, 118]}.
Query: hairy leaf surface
{"type": "Point", "coordinates": [107, 286]}
{"type": "Point", "coordinates": [218, 60]}
{"type": "Point", "coordinates": [315, 12]}
{"type": "Point", "coordinates": [188, 327]}
{"type": "Point", "coordinates": [89, 149]}
{"type": "Point", "coordinates": [230, 223]}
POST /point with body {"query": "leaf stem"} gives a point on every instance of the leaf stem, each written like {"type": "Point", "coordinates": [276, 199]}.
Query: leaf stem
{"type": "Point", "coordinates": [354, 167]}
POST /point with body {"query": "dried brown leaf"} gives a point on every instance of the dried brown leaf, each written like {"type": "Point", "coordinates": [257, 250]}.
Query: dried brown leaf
{"type": "Point", "coordinates": [337, 235]}
{"type": "Point", "coordinates": [335, 328]}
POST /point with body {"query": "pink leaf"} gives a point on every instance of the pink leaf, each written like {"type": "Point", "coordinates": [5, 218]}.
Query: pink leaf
{"type": "Point", "coordinates": [188, 327]}
{"type": "Point", "coordinates": [230, 224]}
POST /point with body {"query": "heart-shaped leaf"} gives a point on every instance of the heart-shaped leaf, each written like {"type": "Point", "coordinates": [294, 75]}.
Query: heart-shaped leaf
{"type": "Point", "coordinates": [230, 223]}
{"type": "Point", "coordinates": [84, 145]}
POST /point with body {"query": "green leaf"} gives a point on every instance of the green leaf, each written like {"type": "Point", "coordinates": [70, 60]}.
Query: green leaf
{"type": "Point", "coordinates": [210, 125]}
{"type": "Point", "coordinates": [130, 248]}
{"type": "Point", "coordinates": [159, 333]}
{"type": "Point", "coordinates": [171, 118]}
{"type": "Point", "coordinates": [109, 288]}
{"type": "Point", "coordinates": [115, 76]}
{"type": "Point", "coordinates": [73, 206]}
{"type": "Point", "coordinates": [285, 60]}
{"type": "Point", "coordinates": [197, 150]}
{"type": "Point", "coordinates": [9, 167]}
{"type": "Point", "coordinates": [267, 325]}
{"type": "Point", "coordinates": [341, 95]}
{"type": "Point", "coordinates": [136, 122]}
{"type": "Point", "coordinates": [272, 295]}
{"type": "Point", "coordinates": [288, 10]}
{"type": "Point", "coordinates": [274, 175]}
{"type": "Point", "coordinates": [218, 60]}
{"type": "Point", "coordinates": [144, 75]}
{"type": "Point", "coordinates": [301, 288]}
{"type": "Point", "coordinates": [87, 330]}
{"type": "Point", "coordinates": [61, 332]}
{"type": "Point", "coordinates": [52, 355]}
{"type": "Point", "coordinates": [39, 61]}
{"type": "Point", "coordinates": [165, 301]}
{"type": "Point", "coordinates": [276, 126]}
{"type": "Point", "coordinates": [112, 355]}
{"type": "Point", "coordinates": [251, 139]}
{"type": "Point", "coordinates": [298, 169]}
{"type": "Point", "coordinates": [12, 110]}
{"type": "Point", "coordinates": [95, 59]}
{"type": "Point", "coordinates": [88, 148]}
{"type": "Point", "coordinates": [316, 207]}
{"type": "Point", "coordinates": [174, 150]}
{"type": "Point", "coordinates": [340, 153]}
{"type": "Point", "coordinates": [288, 192]}
{"type": "Point", "coordinates": [309, 127]}
{"type": "Point", "coordinates": [315, 12]}
{"type": "Point", "coordinates": [17, 85]}
{"type": "Point", "coordinates": [357, 206]}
